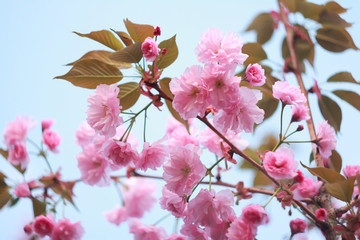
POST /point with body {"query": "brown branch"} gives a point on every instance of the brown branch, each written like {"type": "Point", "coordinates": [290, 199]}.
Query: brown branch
{"type": "Point", "coordinates": [346, 208]}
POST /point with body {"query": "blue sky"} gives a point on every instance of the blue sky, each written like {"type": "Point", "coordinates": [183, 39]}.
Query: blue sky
{"type": "Point", "coordinates": [37, 42]}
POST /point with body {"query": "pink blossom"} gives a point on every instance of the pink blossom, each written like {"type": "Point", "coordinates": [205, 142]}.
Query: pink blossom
{"type": "Point", "coordinates": [51, 139]}
{"type": "Point", "coordinates": [157, 31]}
{"type": "Point", "coordinates": [210, 209]}
{"type": "Point", "coordinates": [28, 228]}
{"type": "Point", "coordinates": [193, 232]}
{"type": "Point", "coordinates": [297, 226]}
{"type": "Point", "coordinates": [22, 190]}
{"type": "Point", "coordinates": [255, 75]}
{"type": "Point", "coordinates": [143, 232]}
{"type": "Point", "coordinates": [307, 189]}
{"type": "Point", "coordinates": [299, 112]}
{"type": "Point", "coordinates": [326, 139]}
{"type": "Point", "coordinates": [152, 156]}
{"type": "Point", "coordinates": [65, 230]}
{"type": "Point", "coordinates": [16, 131]}
{"type": "Point", "coordinates": [301, 236]}
{"type": "Point", "coordinates": [173, 203]}
{"type": "Point", "coordinates": [177, 135]}
{"type": "Point", "coordinates": [93, 166]}
{"type": "Point", "coordinates": [138, 196]}
{"type": "Point", "coordinates": [117, 216]}
{"type": "Point", "coordinates": [280, 164]}
{"type": "Point", "coordinates": [300, 176]}
{"type": "Point", "coordinates": [44, 226]}
{"type": "Point", "coordinates": [219, 231]}
{"type": "Point", "coordinates": [150, 49]}
{"type": "Point", "coordinates": [242, 112]}
{"type": "Point", "coordinates": [46, 123]}
{"type": "Point", "coordinates": [190, 93]}
{"type": "Point", "coordinates": [288, 94]}
{"type": "Point", "coordinates": [84, 135]}
{"type": "Point", "coordinates": [175, 236]}
{"type": "Point", "coordinates": [241, 230]}
{"type": "Point", "coordinates": [104, 110]}
{"type": "Point", "coordinates": [254, 214]}
{"type": "Point", "coordinates": [119, 154]}
{"type": "Point", "coordinates": [351, 171]}
{"type": "Point", "coordinates": [183, 170]}
{"type": "Point", "coordinates": [18, 155]}
{"type": "Point", "coordinates": [222, 85]}
{"type": "Point", "coordinates": [215, 48]}
{"type": "Point", "coordinates": [213, 142]}
{"type": "Point", "coordinates": [130, 139]}
{"type": "Point", "coordinates": [321, 214]}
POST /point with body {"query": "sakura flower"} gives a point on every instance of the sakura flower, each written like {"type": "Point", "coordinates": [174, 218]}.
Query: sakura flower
{"type": "Point", "coordinates": [93, 166]}
{"type": "Point", "coordinates": [321, 214]}
{"type": "Point", "coordinates": [104, 110]}
{"type": "Point", "coordinates": [297, 226]}
{"type": "Point", "coordinates": [219, 231]}
{"type": "Point", "coordinates": [18, 155]}
{"type": "Point", "coordinates": [138, 196]}
{"type": "Point", "coordinates": [193, 232]}
{"type": "Point", "coordinates": [84, 135]}
{"type": "Point", "coordinates": [242, 113]}
{"type": "Point", "coordinates": [22, 190]}
{"type": "Point", "coordinates": [299, 112]}
{"type": "Point", "coordinates": [209, 209]}
{"type": "Point", "coordinates": [175, 236]}
{"type": "Point", "coordinates": [152, 156]}
{"type": "Point", "coordinates": [254, 214]}
{"type": "Point", "coordinates": [351, 171]}
{"type": "Point", "coordinates": [143, 232]}
{"type": "Point", "coordinates": [65, 230]}
{"type": "Point", "coordinates": [51, 139]}
{"type": "Point", "coordinates": [16, 131]}
{"type": "Point", "coordinates": [287, 93]}
{"type": "Point", "coordinates": [117, 216]}
{"type": "Point", "coordinates": [183, 170]}
{"type": "Point", "coordinates": [307, 189]}
{"type": "Point", "coordinates": [44, 225]}
{"type": "Point", "coordinates": [326, 139]}
{"type": "Point", "coordinates": [46, 123]}
{"type": "Point", "coordinates": [130, 138]}
{"type": "Point", "coordinates": [150, 49]}
{"type": "Point", "coordinates": [280, 164]}
{"type": "Point", "coordinates": [177, 135]}
{"type": "Point", "coordinates": [173, 203]}
{"type": "Point", "coordinates": [190, 93]}
{"type": "Point", "coordinates": [215, 48]}
{"type": "Point", "coordinates": [119, 154]}
{"type": "Point", "coordinates": [255, 75]}
{"type": "Point", "coordinates": [241, 230]}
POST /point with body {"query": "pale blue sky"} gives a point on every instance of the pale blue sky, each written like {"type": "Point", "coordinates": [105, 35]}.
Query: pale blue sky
{"type": "Point", "coordinates": [37, 41]}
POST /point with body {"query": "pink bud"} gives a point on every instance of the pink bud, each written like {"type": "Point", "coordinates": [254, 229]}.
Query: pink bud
{"type": "Point", "coordinates": [299, 177]}
{"type": "Point", "coordinates": [51, 139]}
{"type": "Point", "coordinates": [321, 214]}
{"type": "Point", "coordinates": [47, 123]}
{"type": "Point", "coordinates": [157, 31]}
{"type": "Point", "coordinates": [22, 190]}
{"type": "Point", "coordinates": [297, 226]}
{"type": "Point", "coordinates": [28, 229]}
{"type": "Point", "coordinates": [43, 225]}
{"type": "Point", "coordinates": [163, 51]}
{"type": "Point", "coordinates": [300, 128]}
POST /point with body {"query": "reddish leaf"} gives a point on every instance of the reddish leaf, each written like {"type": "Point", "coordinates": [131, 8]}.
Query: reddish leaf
{"type": "Point", "coordinates": [139, 32]}
{"type": "Point", "coordinates": [263, 24]}
{"type": "Point", "coordinates": [105, 37]}
{"type": "Point", "coordinates": [331, 112]}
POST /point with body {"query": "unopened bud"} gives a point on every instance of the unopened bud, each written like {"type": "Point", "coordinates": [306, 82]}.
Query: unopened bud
{"type": "Point", "coordinates": [157, 31]}
{"type": "Point", "coordinates": [300, 128]}
{"type": "Point", "coordinates": [163, 51]}
{"type": "Point", "coordinates": [28, 229]}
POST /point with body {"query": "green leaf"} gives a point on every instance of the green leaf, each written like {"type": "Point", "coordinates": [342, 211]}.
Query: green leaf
{"type": "Point", "coordinates": [350, 97]}
{"type": "Point", "coordinates": [311, 158]}
{"type": "Point", "coordinates": [331, 112]}
{"type": "Point", "coordinates": [326, 174]}
{"type": "Point", "coordinates": [14, 201]}
{"type": "Point", "coordinates": [102, 56]}
{"type": "Point", "coordinates": [124, 37]}
{"type": "Point", "coordinates": [39, 207]}
{"type": "Point", "coordinates": [4, 196]}
{"type": "Point", "coordinates": [341, 190]}
{"type": "Point", "coordinates": [89, 73]}
{"type": "Point", "coordinates": [255, 51]}
{"type": "Point", "coordinates": [139, 32]}
{"type": "Point", "coordinates": [334, 40]}
{"type": "Point", "coordinates": [164, 85]}
{"type": "Point", "coordinates": [263, 25]}
{"type": "Point", "coordinates": [332, 19]}
{"type": "Point", "coordinates": [105, 37]}
{"type": "Point", "coordinates": [335, 161]}
{"type": "Point", "coordinates": [335, 7]}
{"type": "Point", "coordinates": [310, 10]}
{"type": "Point", "coordinates": [130, 54]}
{"type": "Point", "coordinates": [171, 54]}
{"type": "Point", "coordinates": [342, 77]}
{"type": "Point", "coordinates": [128, 95]}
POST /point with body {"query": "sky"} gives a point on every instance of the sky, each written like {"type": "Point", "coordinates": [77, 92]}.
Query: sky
{"type": "Point", "coordinates": [37, 42]}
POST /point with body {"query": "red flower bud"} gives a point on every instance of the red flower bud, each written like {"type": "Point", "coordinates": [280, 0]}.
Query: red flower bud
{"type": "Point", "coordinates": [157, 31]}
